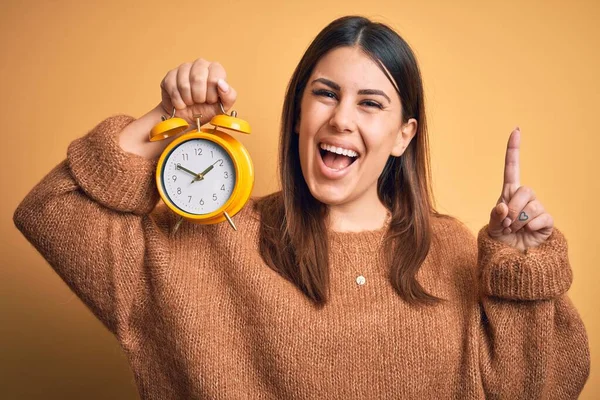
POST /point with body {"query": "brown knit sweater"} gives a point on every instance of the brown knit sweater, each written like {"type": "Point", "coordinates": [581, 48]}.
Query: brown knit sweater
{"type": "Point", "coordinates": [200, 315]}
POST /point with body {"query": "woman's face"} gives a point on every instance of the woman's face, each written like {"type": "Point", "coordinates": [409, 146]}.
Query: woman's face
{"type": "Point", "coordinates": [350, 107]}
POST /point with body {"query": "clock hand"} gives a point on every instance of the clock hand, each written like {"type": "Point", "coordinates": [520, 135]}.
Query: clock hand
{"type": "Point", "coordinates": [207, 170]}
{"type": "Point", "coordinates": [179, 166]}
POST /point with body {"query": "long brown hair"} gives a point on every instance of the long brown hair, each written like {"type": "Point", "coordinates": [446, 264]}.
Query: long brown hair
{"type": "Point", "coordinates": [293, 234]}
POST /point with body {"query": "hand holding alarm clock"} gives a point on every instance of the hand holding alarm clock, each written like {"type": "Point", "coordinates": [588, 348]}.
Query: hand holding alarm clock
{"type": "Point", "coordinates": [205, 176]}
{"type": "Point", "coordinates": [196, 89]}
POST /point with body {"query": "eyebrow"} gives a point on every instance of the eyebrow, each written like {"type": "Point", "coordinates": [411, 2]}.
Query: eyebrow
{"type": "Point", "coordinates": [335, 86]}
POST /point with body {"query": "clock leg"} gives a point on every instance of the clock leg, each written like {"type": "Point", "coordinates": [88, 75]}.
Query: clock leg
{"type": "Point", "coordinates": [177, 224]}
{"type": "Point", "coordinates": [230, 220]}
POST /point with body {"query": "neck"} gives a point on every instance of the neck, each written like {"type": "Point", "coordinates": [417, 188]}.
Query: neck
{"type": "Point", "coordinates": [357, 217]}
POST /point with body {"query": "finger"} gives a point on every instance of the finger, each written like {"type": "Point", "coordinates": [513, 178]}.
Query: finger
{"type": "Point", "coordinates": [543, 223]}
{"type": "Point", "coordinates": [227, 94]}
{"type": "Point", "coordinates": [512, 174]}
{"type": "Point", "coordinates": [532, 210]}
{"type": "Point", "coordinates": [183, 83]}
{"type": "Point", "coordinates": [215, 72]}
{"type": "Point", "coordinates": [166, 103]}
{"type": "Point", "coordinates": [497, 215]}
{"type": "Point", "coordinates": [198, 78]}
{"type": "Point", "coordinates": [169, 89]}
{"type": "Point", "coordinates": [518, 201]}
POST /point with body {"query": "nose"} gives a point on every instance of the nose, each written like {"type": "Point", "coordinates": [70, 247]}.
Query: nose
{"type": "Point", "coordinates": [343, 118]}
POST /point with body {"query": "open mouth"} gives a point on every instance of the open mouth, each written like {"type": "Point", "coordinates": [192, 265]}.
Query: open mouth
{"type": "Point", "coordinates": [337, 158]}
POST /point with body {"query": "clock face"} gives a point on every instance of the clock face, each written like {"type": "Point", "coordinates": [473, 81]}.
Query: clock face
{"type": "Point", "coordinates": [198, 176]}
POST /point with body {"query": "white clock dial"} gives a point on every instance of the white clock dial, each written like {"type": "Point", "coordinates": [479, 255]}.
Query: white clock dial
{"type": "Point", "coordinates": [181, 181]}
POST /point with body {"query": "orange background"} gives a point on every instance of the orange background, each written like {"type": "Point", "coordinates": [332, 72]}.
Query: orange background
{"type": "Point", "coordinates": [66, 65]}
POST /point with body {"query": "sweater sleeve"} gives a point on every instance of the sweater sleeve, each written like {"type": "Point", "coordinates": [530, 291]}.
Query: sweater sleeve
{"type": "Point", "coordinates": [87, 219]}
{"type": "Point", "coordinates": [533, 344]}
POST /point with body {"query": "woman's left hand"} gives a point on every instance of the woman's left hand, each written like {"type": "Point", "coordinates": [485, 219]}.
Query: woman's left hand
{"type": "Point", "coordinates": [518, 219]}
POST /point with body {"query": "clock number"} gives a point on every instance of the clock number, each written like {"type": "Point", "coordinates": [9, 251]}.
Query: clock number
{"type": "Point", "coordinates": [198, 151]}
{"type": "Point", "coordinates": [185, 156]}
{"type": "Point", "coordinates": [174, 178]}
{"type": "Point", "coordinates": [222, 187]}
{"type": "Point", "coordinates": [190, 199]}
{"type": "Point", "coordinates": [178, 190]}
{"type": "Point", "coordinates": [211, 154]}
{"type": "Point", "coordinates": [226, 175]}
{"type": "Point", "coordinates": [201, 202]}
{"type": "Point", "coordinates": [214, 197]}
{"type": "Point", "coordinates": [221, 163]}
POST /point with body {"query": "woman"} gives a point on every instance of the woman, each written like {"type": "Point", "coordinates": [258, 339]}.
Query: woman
{"type": "Point", "coordinates": [347, 283]}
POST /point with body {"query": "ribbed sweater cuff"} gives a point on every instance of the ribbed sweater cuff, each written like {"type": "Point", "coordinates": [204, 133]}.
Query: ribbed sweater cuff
{"type": "Point", "coordinates": [114, 178]}
{"type": "Point", "coordinates": [538, 273]}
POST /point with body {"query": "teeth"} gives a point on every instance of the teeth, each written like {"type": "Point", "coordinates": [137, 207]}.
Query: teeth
{"type": "Point", "coordinates": [339, 150]}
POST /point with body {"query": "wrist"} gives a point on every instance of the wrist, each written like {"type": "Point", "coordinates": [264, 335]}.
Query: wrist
{"type": "Point", "coordinates": [134, 137]}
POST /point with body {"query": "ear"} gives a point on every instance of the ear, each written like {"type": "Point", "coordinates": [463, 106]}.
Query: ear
{"type": "Point", "coordinates": [404, 136]}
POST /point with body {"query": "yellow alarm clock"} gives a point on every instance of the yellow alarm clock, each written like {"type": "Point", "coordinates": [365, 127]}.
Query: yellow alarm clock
{"type": "Point", "coordinates": [205, 176]}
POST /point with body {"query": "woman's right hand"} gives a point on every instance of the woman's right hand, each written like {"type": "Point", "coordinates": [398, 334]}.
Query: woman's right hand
{"type": "Point", "coordinates": [195, 89]}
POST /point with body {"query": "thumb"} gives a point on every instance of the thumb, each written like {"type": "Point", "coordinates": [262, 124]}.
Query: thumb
{"type": "Point", "coordinates": [497, 215]}
{"type": "Point", "coordinates": [227, 94]}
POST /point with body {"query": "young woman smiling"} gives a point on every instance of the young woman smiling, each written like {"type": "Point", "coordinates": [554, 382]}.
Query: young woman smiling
{"type": "Point", "coordinates": [346, 284]}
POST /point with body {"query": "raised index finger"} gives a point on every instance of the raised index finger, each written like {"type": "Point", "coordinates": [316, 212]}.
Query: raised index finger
{"type": "Point", "coordinates": [512, 174]}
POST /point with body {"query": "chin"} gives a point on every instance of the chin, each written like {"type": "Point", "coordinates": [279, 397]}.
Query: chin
{"type": "Point", "coordinates": [330, 196]}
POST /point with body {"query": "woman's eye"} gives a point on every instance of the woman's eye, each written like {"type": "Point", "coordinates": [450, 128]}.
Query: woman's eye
{"type": "Point", "coordinates": [325, 93]}
{"type": "Point", "coordinates": [369, 103]}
